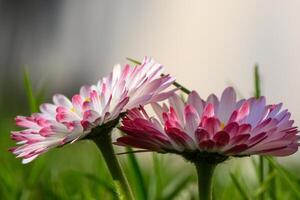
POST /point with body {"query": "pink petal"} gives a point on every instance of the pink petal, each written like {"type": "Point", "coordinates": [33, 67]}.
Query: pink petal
{"type": "Point", "coordinates": [179, 137]}
{"type": "Point", "coordinates": [178, 106]}
{"type": "Point", "coordinates": [202, 135]}
{"type": "Point", "coordinates": [286, 151]}
{"type": "Point", "coordinates": [237, 149]}
{"type": "Point", "coordinates": [208, 111]}
{"type": "Point", "coordinates": [257, 111]}
{"type": "Point", "coordinates": [211, 125]}
{"type": "Point", "coordinates": [206, 144]}
{"type": "Point", "coordinates": [243, 111]}
{"type": "Point", "coordinates": [213, 99]}
{"type": "Point", "coordinates": [231, 128]}
{"type": "Point", "coordinates": [240, 139]}
{"type": "Point", "coordinates": [221, 138]}
{"type": "Point", "coordinates": [61, 100]}
{"type": "Point", "coordinates": [227, 104]}
{"type": "Point", "coordinates": [192, 119]}
{"type": "Point", "coordinates": [195, 100]}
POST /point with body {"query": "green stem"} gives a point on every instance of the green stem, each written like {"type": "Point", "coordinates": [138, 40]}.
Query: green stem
{"type": "Point", "coordinates": [205, 180]}
{"type": "Point", "coordinates": [261, 175]}
{"type": "Point", "coordinates": [273, 184]}
{"type": "Point", "coordinates": [261, 159]}
{"type": "Point", "coordinates": [104, 143]}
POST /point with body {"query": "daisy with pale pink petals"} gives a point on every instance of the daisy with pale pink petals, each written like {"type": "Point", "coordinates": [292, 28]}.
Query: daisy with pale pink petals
{"type": "Point", "coordinates": [67, 120]}
{"type": "Point", "coordinates": [213, 129]}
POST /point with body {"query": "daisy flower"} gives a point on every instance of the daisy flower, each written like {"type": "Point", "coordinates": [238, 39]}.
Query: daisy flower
{"type": "Point", "coordinates": [66, 121]}
{"type": "Point", "coordinates": [212, 130]}
{"type": "Point", "coordinates": [207, 133]}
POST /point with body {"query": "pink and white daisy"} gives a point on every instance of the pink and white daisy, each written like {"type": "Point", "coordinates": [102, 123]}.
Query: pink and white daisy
{"type": "Point", "coordinates": [224, 127]}
{"type": "Point", "coordinates": [67, 120]}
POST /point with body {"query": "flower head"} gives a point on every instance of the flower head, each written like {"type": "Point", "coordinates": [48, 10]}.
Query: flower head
{"type": "Point", "coordinates": [222, 126]}
{"type": "Point", "coordinates": [67, 120]}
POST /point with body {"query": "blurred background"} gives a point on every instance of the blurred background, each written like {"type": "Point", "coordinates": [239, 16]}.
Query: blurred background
{"type": "Point", "coordinates": [206, 45]}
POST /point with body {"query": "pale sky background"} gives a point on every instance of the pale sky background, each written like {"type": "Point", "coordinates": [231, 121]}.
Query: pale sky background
{"type": "Point", "coordinates": [207, 45]}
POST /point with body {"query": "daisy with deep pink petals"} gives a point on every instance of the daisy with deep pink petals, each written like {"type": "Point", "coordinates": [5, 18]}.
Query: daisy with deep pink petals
{"type": "Point", "coordinates": [222, 126]}
{"type": "Point", "coordinates": [67, 120]}
{"type": "Point", "coordinates": [208, 132]}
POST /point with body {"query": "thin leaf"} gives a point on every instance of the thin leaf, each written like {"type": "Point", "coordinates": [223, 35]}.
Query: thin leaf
{"type": "Point", "coordinates": [263, 187]}
{"type": "Point", "coordinates": [28, 87]}
{"type": "Point", "coordinates": [40, 94]}
{"type": "Point", "coordinates": [261, 174]}
{"type": "Point", "coordinates": [241, 190]}
{"type": "Point", "coordinates": [154, 190]}
{"type": "Point", "coordinates": [254, 162]}
{"type": "Point", "coordinates": [261, 159]}
{"type": "Point", "coordinates": [273, 183]}
{"type": "Point", "coordinates": [176, 84]}
{"type": "Point", "coordinates": [176, 186]}
{"type": "Point", "coordinates": [132, 152]}
{"type": "Point", "coordinates": [134, 61]}
{"type": "Point", "coordinates": [294, 186]}
{"type": "Point", "coordinates": [138, 180]}
{"type": "Point", "coordinates": [257, 81]}
{"type": "Point", "coordinates": [103, 183]}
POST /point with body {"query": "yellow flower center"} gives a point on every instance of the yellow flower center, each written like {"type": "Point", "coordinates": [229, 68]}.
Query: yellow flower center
{"type": "Point", "coordinates": [222, 125]}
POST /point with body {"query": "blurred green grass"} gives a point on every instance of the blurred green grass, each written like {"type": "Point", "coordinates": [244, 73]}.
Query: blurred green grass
{"type": "Point", "coordinates": [78, 171]}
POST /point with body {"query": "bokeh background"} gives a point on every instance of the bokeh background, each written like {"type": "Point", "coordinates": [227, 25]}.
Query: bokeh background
{"type": "Point", "coordinates": [206, 45]}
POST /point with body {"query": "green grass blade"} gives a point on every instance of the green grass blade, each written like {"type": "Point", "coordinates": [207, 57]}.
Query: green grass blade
{"type": "Point", "coordinates": [286, 176]}
{"type": "Point", "coordinates": [254, 162]}
{"type": "Point", "coordinates": [273, 183]}
{"type": "Point", "coordinates": [154, 191]}
{"type": "Point", "coordinates": [134, 61]}
{"type": "Point", "coordinates": [239, 187]}
{"type": "Point", "coordinates": [257, 94]}
{"type": "Point", "coordinates": [261, 174]}
{"type": "Point", "coordinates": [41, 94]}
{"type": "Point", "coordinates": [266, 184]}
{"type": "Point", "coordinates": [257, 81]}
{"type": "Point", "coordinates": [100, 182]}
{"type": "Point", "coordinates": [176, 84]}
{"type": "Point", "coordinates": [157, 170]}
{"type": "Point", "coordinates": [91, 177]}
{"type": "Point", "coordinates": [138, 181]}
{"type": "Point", "coordinates": [152, 187]}
{"type": "Point", "coordinates": [30, 96]}
{"type": "Point", "coordinates": [175, 186]}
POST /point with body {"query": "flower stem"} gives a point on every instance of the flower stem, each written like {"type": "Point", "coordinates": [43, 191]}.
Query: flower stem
{"type": "Point", "coordinates": [257, 95]}
{"type": "Point", "coordinates": [261, 175]}
{"type": "Point", "coordinates": [104, 143]}
{"type": "Point", "coordinates": [205, 180]}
